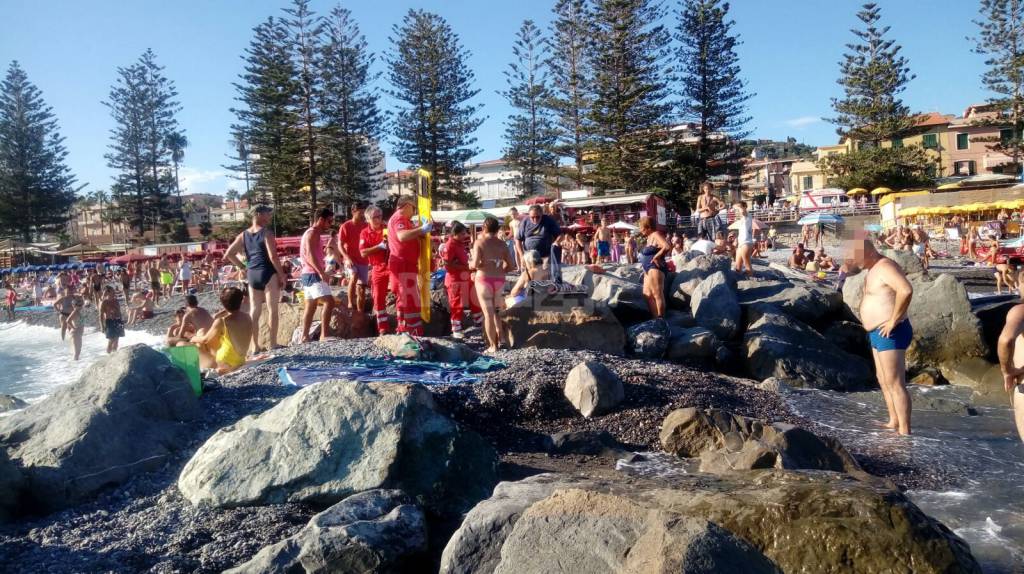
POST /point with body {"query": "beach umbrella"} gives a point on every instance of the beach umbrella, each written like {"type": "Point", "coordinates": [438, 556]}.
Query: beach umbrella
{"type": "Point", "coordinates": [623, 226]}
{"type": "Point", "coordinates": [880, 191]}
{"type": "Point", "coordinates": [475, 216]}
{"type": "Point", "coordinates": [856, 191]}
{"type": "Point", "coordinates": [819, 217]}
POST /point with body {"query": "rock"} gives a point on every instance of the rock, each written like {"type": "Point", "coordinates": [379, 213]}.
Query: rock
{"type": "Point", "coordinates": [773, 385]}
{"type": "Point", "coordinates": [806, 301]}
{"type": "Point", "coordinates": [401, 346]}
{"type": "Point", "coordinates": [11, 484]}
{"type": "Point", "coordinates": [440, 324]}
{"type": "Point", "coordinates": [992, 317]}
{"type": "Point", "coordinates": [593, 328]}
{"type": "Point", "coordinates": [679, 319]}
{"type": "Point", "coordinates": [593, 389]}
{"type": "Point", "coordinates": [649, 339]}
{"type": "Point", "coordinates": [335, 438]}
{"type": "Point", "coordinates": [907, 261]}
{"type": "Point", "coordinates": [800, 522]}
{"type": "Point", "coordinates": [289, 320]}
{"type": "Point", "coordinates": [124, 416]}
{"type": "Point", "coordinates": [850, 337]}
{"type": "Point", "coordinates": [725, 441]}
{"type": "Point", "coordinates": [984, 377]}
{"type": "Point", "coordinates": [583, 442]}
{"type": "Point", "coordinates": [373, 531]}
{"type": "Point", "coordinates": [945, 329]}
{"type": "Point", "coordinates": [714, 306]}
{"type": "Point", "coordinates": [692, 344]}
{"type": "Point", "coordinates": [11, 403]}
{"type": "Point", "coordinates": [782, 347]}
{"type": "Point", "coordinates": [690, 276]}
{"type": "Point", "coordinates": [448, 351]}
{"type": "Point", "coordinates": [929, 402]}
{"type": "Point", "coordinates": [929, 377]}
{"type": "Point", "coordinates": [621, 292]}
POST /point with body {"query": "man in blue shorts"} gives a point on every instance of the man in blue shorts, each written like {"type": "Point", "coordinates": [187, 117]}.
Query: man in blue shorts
{"type": "Point", "coordinates": [883, 312]}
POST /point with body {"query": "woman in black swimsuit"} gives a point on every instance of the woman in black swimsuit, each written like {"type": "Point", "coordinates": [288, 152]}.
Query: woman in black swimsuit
{"type": "Point", "coordinates": [263, 271]}
{"type": "Point", "coordinates": [652, 259]}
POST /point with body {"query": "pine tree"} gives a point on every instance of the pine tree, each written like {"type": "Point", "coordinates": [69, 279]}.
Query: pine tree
{"type": "Point", "coordinates": [529, 132]}
{"type": "Point", "coordinates": [1001, 39]}
{"type": "Point", "coordinates": [36, 192]}
{"type": "Point", "coordinates": [571, 81]}
{"type": "Point", "coordinates": [433, 121]}
{"type": "Point", "coordinates": [266, 130]}
{"type": "Point", "coordinates": [873, 75]}
{"type": "Point", "coordinates": [305, 29]}
{"type": "Point", "coordinates": [713, 96]}
{"type": "Point", "coordinates": [352, 166]}
{"type": "Point", "coordinates": [143, 106]}
{"type": "Point", "coordinates": [630, 107]}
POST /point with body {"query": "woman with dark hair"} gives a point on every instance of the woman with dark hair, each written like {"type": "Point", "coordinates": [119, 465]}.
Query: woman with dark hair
{"type": "Point", "coordinates": [652, 259]}
{"type": "Point", "coordinates": [491, 260]}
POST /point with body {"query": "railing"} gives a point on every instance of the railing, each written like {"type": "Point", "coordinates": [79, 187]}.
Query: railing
{"type": "Point", "coordinates": [780, 215]}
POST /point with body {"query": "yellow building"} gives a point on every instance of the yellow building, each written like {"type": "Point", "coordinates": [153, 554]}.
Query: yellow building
{"type": "Point", "coordinates": [806, 174]}
{"type": "Point", "coordinates": [932, 132]}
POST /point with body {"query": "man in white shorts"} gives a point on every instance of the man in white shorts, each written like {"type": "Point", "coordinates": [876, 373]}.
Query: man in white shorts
{"type": "Point", "coordinates": [314, 280]}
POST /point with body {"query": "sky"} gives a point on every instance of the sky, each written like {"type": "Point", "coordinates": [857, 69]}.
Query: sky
{"type": "Point", "coordinates": [789, 56]}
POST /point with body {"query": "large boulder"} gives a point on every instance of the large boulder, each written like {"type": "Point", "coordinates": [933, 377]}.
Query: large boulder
{"type": "Point", "coordinates": [593, 389]}
{"type": "Point", "coordinates": [805, 301]}
{"type": "Point", "coordinates": [126, 414]}
{"type": "Point", "coordinates": [686, 278]}
{"type": "Point", "coordinates": [335, 438]}
{"type": "Point", "coordinates": [373, 531]}
{"type": "Point", "coordinates": [907, 261]}
{"type": "Point", "coordinates": [694, 344]}
{"type": "Point", "coordinates": [848, 336]}
{"type": "Point", "coordinates": [11, 403]}
{"type": "Point", "coordinates": [622, 292]}
{"type": "Point", "coordinates": [984, 377]}
{"type": "Point", "coordinates": [11, 484]}
{"type": "Point", "coordinates": [440, 323]}
{"type": "Point", "coordinates": [782, 347]}
{"type": "Point", "coordinates": [800, 522]}
{"type": "Point", "coordinates": [648, 340]}
{"type": "Point", "coordinates": [945, 329]}
{"type": "Point", "coordinates": [592, 328]}
{"type": "Point", "coordinates": [725, 441]}
{"type": "Point", "coordinates": [715, 307]}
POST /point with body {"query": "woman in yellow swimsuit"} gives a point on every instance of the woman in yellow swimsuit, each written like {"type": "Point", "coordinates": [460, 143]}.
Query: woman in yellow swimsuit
{"type": "Point", "coordinates": [217, 348]}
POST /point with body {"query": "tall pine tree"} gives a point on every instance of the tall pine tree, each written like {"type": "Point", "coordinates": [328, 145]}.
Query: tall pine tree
{"type": "Point", "coordinates": [352, 162]}
{"type": "Point", "coordinates": [873, 74]}
{"type": "Point", "coordinates": [305, 29]}
{"type": "Point", "coordinates": [268, 142]}
{"type": "Point", "coordinates": [571, 81]}
{"type": "Point", "coordinates": [434, 120]}
{"type": "Point", "coordinates": [143, 106]}
{"type": "Point", "coordinates": [36, 192]}
{"type": "Point", "coordinates": [631, 106]}
{"type": "Point", "coordinates": [1001, 39]}
{"type": "Point", "coordinates": [529, 132]}
{"type": "Point", "coordinates": [712, 94]}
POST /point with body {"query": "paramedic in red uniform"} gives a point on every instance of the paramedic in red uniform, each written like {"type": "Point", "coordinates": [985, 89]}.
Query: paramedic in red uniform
{"type": "Point", "coordinates": [403, 264]}
{"type": "Point", "coordinates": [458, 279]}
{"type": "Point", "coordinates": [374, 248]}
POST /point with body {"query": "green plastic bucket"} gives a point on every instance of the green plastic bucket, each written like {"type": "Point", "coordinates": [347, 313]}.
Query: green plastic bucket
{"type": "Point", "coordinates": [187, 359]}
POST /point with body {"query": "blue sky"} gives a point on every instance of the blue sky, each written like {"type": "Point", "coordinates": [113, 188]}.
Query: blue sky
{"type": "Point", "coordinates": [71, 49]}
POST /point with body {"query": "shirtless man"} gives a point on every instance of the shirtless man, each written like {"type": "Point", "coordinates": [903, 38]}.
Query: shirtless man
{"type": "Point", "coordinates": [110, 318]}
{"type": "Point", "coordinates": [64, 306]}
{"type": "Point", "coordinates": [154, 281]}
{"type": "Point", "coordinates": [513, 226]}
{"type": "Point", "coordinates": [708, 207]}
{"type": "Point", "coordinates": [1011, 362]}
{"type": "Point", "coordinates": [883, 312]}
{"type": "Point", "coordinates": [604, 242]}
{"type": "Point", "coordinates": [194, 318]}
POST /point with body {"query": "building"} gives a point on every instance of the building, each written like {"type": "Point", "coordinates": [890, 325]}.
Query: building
{"type": "Point", "coordinates": [930, 132]}
{"type": "Point", "coordinates": [95, 223]}
{"type": "Point", "coordinates": [230, 211]}
{"type": "Point", "coordinates": [767, 179]}
{"type": "Point", "coordinates": [493, 181]}
{"type": "Point", "coordinates": [970, 138]}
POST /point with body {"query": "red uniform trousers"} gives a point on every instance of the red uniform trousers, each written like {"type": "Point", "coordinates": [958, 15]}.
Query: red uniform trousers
{"type": "Point", "coordinates": [379, 277]}
{"type": "Point", "coordinates": [404, 285]}
{"type": "Point", "coordinates": [460, 292]}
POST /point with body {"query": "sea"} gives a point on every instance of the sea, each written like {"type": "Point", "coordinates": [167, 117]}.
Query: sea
{"type": "Point", "coordinates": [981, 454]}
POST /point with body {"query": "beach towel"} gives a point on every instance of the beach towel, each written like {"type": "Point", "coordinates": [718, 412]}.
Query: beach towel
{"type": "Point", "coordinates": [391, 371]}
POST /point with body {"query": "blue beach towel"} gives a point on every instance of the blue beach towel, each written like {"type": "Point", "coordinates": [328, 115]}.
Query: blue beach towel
{"type": "Point", "coordinates": [391, 371]}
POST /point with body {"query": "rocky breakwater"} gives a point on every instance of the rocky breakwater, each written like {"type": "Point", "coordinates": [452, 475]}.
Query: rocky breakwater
{"type": "Point", "coordinates": [125, 415]}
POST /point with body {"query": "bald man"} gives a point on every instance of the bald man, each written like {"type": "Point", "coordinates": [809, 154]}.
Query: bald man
{"type": "Point", "coordinates": [883, 313]}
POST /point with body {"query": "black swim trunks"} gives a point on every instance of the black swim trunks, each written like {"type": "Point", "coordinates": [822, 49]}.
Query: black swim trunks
{"type": "Point", "coordinates": [114, 328]}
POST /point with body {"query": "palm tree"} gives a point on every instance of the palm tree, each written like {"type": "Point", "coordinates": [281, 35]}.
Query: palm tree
{"type": "Point", "coordinates": [102, 198]}
{"type": "Point", "coordinates": [176, 142]}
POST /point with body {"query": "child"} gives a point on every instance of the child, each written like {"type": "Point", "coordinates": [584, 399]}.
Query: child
{"type": "Point", "coordinates": [110, 318]}
{"type": "Point", "coordinates": [76, 324]}
{"type": "Point", "coordinates": [457, 279]}
{"type": "Point", "coordinates": [224, 345]}
{"type": "Point", "coordinates": [175, 334]}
